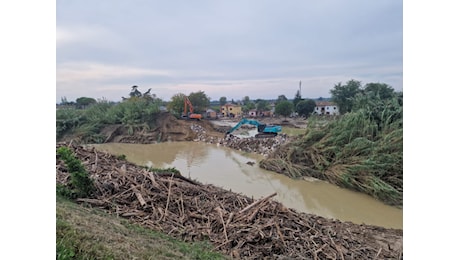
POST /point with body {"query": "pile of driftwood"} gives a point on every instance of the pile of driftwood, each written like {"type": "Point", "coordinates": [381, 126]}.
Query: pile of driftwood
{"type": "Point", "coordinates": [237, 225]}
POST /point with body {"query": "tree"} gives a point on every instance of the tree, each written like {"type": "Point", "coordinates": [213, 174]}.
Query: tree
{"type": "Point", "coordinates": [246, 100]}
{"type": "Point", "coordinates": [222, 101]}
{"type": "Point", "coordinates": [281, 98]}
{"type": "Point", "coordinates": [381, 90]}
{"type": "Point", "coordinates": [135, 92]}
{"type": "Point", "coordinates": [284, 108]}
{"type": "Point", "coordinates": [305, 107]}
{"type": "Point", "coordinates": [344, 95]}
{"type": "Point", "coordinates": [200, 101]}
{"type": "Point", "coordinates": [380, 103]}
{"type": "Point", "coordinates": [262, 105]}
{"type": "Point", "coordinates": [297, 98]}
{"type": "Point", "coordinates": [83, 102]}
{"type": "Point", "coordinates": [176, 105]}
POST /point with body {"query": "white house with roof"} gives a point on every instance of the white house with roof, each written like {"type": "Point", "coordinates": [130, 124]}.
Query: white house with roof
{"type": "Point", "coordinates": [326, 108]}
{"type": "Point", "coordinates": [252, 112]}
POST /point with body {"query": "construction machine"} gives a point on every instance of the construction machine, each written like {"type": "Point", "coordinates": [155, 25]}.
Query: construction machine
{"type": "Point", "coordinates": [264, 130]}
{"type": "Point", "coordinates": [189, 114]}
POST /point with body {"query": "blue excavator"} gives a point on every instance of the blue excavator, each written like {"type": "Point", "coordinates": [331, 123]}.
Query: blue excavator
{"type": "Point", "coordinates": [264, 130]}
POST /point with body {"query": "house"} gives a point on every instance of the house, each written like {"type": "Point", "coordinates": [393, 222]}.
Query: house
{"type": "Point", "coordinates": [266, 113]}
{"type": "Point", "coordinates": [252, 113]}
{"type": "Point", "coordinates": [326, 108]}
{"type": "Point", "coordinates": [231, 110]}
{"type": "Point", "coordinates": [211, 114]}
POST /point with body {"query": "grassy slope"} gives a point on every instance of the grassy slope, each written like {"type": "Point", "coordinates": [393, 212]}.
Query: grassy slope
{"type": "Point", "coordinates": [85, 233]}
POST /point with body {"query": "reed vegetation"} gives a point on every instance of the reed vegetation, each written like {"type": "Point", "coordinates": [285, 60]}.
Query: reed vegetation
{"type": "Point", "coordinates": [134, 113]}
{"type": "Point", "coordinates": [361, 150]}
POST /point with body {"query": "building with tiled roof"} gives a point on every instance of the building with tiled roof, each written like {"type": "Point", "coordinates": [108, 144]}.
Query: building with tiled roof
{"type": "Point", "coordinates": [326, 108]}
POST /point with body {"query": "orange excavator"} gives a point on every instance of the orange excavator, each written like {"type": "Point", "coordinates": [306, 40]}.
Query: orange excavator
{"type": "Point", "coordinates": [190, 114]}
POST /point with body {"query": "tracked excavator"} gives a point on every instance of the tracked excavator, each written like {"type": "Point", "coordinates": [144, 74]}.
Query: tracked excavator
{"type": "Point", "coordinates": [190, 114]}
{"type": "Point", "coordinates": [264, 130]}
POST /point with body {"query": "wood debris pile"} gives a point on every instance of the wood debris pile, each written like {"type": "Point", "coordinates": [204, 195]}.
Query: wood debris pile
{"type": "Point", "coordinates": [237, 225]}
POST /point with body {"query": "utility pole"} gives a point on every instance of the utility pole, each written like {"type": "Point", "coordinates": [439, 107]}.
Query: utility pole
{"type": "Point", "coordinates": [300, 88]}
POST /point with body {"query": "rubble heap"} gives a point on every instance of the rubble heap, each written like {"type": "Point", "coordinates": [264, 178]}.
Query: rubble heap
{"type": "Point", "coordinates": [263, 146]}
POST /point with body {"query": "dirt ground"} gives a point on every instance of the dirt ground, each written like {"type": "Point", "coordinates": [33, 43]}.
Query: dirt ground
{"type": "Point", "coordinates": [169, 128]}
{"type": "Point", "coordinates": [253, 235]}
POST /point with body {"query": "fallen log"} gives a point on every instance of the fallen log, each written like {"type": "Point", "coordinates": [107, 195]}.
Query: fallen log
{"type": "Point", "coordinates": [257, 203]}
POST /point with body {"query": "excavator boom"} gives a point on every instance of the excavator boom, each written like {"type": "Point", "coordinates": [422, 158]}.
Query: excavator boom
{"type": "Point", "coordinates": [190, 114]}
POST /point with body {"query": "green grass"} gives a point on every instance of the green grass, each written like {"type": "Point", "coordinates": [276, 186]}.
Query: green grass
{"type": "Point", "coordinates": [87, 233]}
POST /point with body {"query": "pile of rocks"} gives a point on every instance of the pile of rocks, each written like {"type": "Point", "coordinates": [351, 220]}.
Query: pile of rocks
{"type": "Point", "coordinates": [263, 146]}
{"type": "Point", "coordinates": [200, 133]}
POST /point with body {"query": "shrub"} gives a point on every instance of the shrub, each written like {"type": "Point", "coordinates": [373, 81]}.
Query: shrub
{"type": "Point", "coordinates": [81, 185]}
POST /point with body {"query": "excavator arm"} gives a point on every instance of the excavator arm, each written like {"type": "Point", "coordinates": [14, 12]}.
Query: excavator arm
{"type": "Point", "coordinates": [189, 104]}
{"type": "Point", "coordinates": [243, 121]}
{"type": "Point", "coordinates": [190, 114]}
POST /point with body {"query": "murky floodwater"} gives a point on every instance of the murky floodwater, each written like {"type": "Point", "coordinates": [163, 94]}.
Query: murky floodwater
{"type": "Point", "coordinates": [229, 169]}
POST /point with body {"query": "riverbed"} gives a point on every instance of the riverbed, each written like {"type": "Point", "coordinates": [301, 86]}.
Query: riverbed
{"type": "Point", "coordinates": [239, 172]}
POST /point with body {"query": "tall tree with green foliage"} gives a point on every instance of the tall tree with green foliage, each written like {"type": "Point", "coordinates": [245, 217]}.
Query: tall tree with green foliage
{"type": "Point", "coordinates": [176, 105]}
{"type": "Point", "coordinates": [284, 108]}
{"type": "Point", "coordinates": [200, 101]}
{"type": "Point", "coordinates": [381, 90]}
{"type": "Point", "coordinates": [305, 107]}
{"type": "Point", "coordinates": [343, 95]}
{"type": "Point", "coordinates": [281, 98]}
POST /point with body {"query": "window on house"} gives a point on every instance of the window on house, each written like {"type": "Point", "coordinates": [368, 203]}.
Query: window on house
{"type": "Point", "coordinates": [231, 109]}
{"type": "Point", "coordinates": [335, 108]}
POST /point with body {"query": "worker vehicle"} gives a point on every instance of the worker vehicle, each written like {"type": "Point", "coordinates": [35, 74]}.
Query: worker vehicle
{"type": "Point", "coordinates": [189, 114]}
{"type": "Point", "coordinates": [264, 130]}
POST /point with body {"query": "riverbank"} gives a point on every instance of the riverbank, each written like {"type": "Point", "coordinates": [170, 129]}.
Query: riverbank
{"type": "Point", "coordinates": [238, 171]}
{"type": "Point", "coordinates": [237, 225]}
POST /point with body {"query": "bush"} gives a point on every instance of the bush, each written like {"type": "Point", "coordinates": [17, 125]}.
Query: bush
{"type": "Point", "coordinates": [81, 185]}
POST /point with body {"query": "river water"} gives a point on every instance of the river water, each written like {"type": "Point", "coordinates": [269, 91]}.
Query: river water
{"type": "Point", "coordinates": [232, 170]}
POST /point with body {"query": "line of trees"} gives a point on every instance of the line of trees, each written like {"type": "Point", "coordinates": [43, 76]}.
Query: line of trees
{"type": "Point", "coordinates": [342, 95]}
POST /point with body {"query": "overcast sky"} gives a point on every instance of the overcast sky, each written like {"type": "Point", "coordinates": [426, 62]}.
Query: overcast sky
{"type": "Point", "coordinates": [260, 49]}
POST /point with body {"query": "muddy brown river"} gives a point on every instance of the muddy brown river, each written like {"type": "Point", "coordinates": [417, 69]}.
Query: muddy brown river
{"type": "Point", "coordinates": [232, 170]}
